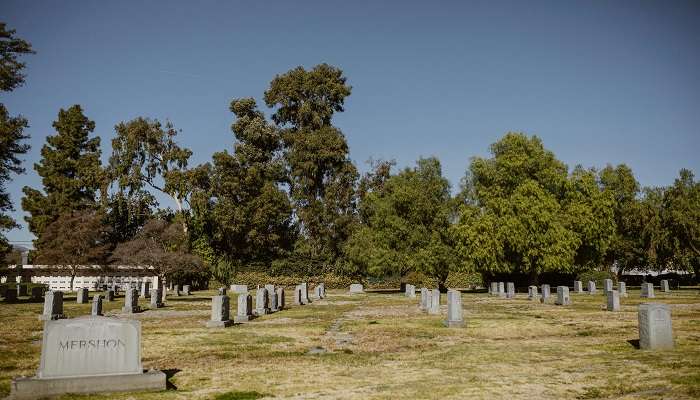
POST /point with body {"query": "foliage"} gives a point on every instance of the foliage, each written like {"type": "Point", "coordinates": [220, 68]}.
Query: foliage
{"type": "Point", "coordinates": [11, 47]}
{"type": "Point", "coordinates": [681, 216]}
{"type": "Point", "coordinates": [596, 276]}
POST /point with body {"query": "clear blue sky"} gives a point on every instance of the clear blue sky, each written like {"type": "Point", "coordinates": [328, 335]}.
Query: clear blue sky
{"type": "Point", "coordinates": [599, 81]}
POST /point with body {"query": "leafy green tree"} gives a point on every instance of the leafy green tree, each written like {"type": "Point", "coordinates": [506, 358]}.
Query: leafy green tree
{"type": "Point", "coordinates": [251, 214]}
{"type": "Point", "coordinates": [681, 216]}
{"type": "Point", "coordinates": [321, 176]}
{"type": "Point", "coordinates": [74, 239]}
{"type": "Point", "coordinates": [70, 171]}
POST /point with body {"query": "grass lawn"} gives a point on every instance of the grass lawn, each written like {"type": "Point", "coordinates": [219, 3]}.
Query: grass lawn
{"type": "Point", "coordinates": [380, 346]}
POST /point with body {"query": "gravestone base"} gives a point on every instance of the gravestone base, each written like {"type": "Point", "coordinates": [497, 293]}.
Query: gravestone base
{"type": "Point", "coordinates": [52, 317]}
{"type": "Point", "coordinates": [219, 324]}
{"type": "Point", "coordinates": [453, 324]}
{"type": "Point", "coordinates": [34, 388]}
{"type": "Point", "coordinates": [262, 311]}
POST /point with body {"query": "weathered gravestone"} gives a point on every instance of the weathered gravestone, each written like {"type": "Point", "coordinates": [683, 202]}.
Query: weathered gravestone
{"type": "Point", "coordinates": [82, 296]}
{"type": "Point", "coordinates": [591, 287]}
{"type": "Point", "coordinates": [186, 290]}
{"type": "Point", "coordinates": [244, 312]}
{"type": "Point", "coordinates": [37, 292]}
{"type": "Point", "coordinates": [664, 286]}
{"type": "Point", "coordinates": [655, 327]}
{"type": "Point", "coordinates": [622, 289]}
{"type": "Point", "coordinates": [176, 289]}
{"type": "Point", "coordinates": [493, 290]}
{"type": "Point", "coordinates": [545, 293]}
{"type": "Point", "coordinates": [157, 297]}
{"type": "Point", "coordinates": [613, 303]}
{"type": "Point", "coordinates": [280, 298]}
{"type": "Point", "coordinates": [270, 288]}
{"type": "Point", "coordinates": [145, 289]}
{"type": "Point", "coordinates": [563, 298]}
{"type": "Point", "coordinates": [89, 355]}
{"type": "Point", "coordinates": [238, 289]}
{"type": "Point", "coordinates": [298, 298]}
{"type": "Point", "coordinates": [607, 285]}
{"type": "Point", "coordinates": [455, 317]}
{"type": "Point", "coordinates": [10, 295]}
{"type": "Point", "coordinates": [273, 301]}
{"type": "Point", "coordinates": [410, 291]}
{"type": "Point", "coordinates": [578, 287]}
{"type": "Point", "coordinates": [96, 305]}
{"type": "Point", "coordinates": [262, 305]}
{"type": "Point", "coordinates": [647, 290]}
{"type": "Point", "coordinates": [21, 290]}
{"type": "Point", "coordinates": [356, 288]}
{"type": "Point", "coordinates": [501, 289]}
{"type": "Point", "coordinates": [424, 299]}
{"type": "Point", "coordinates": [510, 290]}
{"type": "Point", "coordinates": [53, 306]}
{"type": "Point", "coordinates": [219, 312]}
{"type": "Point", "coordinates": [434, 307]}
{"type": "Point", "coordinates": [532, 293]}
{"type": "Point", "coordinates": [131, 302]}
{"type": "Point", "coordinates": [305, 292]}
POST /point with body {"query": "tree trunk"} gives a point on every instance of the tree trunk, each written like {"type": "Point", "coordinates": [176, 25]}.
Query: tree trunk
{"type": "Point", "coordinates": [534, 278]}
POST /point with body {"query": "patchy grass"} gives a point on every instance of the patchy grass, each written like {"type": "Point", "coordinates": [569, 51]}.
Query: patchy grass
{"type": "Point", "coordinates": [380, 346]}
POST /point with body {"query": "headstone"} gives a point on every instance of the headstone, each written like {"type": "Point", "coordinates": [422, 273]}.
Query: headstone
{"type": "Point", "coordinates": [96, 305]}
{"type": "Point", "coordinates": [145, 289]}
{"type": "Point", "coordinates": [270, 288]}
{"type": "Point", "coordinates": [176, 290]}
{"type": "Point", "coordinates": [434, 302]}
{"type": "Point", "coordinates": [262, 305]}
{"type": "Point", "coordinates": [622, 289]}
{"type": "Point", "coordinates": [87, 355]}
{"type": "Point", "coordinates": [305, 293]}
{"type": "Point", "coordinates": [244, 312]}
{"type": "Point", "coordinates": [238, 289]}
{"type": "Point", "coordinates": [53, 306]}
{"type": "Point", "coordinates": [356, 288]}
{"type": "Point", "coordinates": [219, 312]}
{"type": "Point", "coordinates": [591, 287]}
{"type": "Point", "coordinates": [163, 293]}
{"type": "Point", "coordinates": [455, 317]}
{"type": "Point", "coordinates": [664, 286]}
{"type": "Point", "coordinates": [410, 291]}
{"type": "Point", "coordinates": [494, 289]}
{"type": "Point", "coordinates": [545, 293]}
{"type": "Point", "coordinates": [298, 300]}
{"type": "Point", "coordinates": [186, 290]}
{"type": "Point", "coordinates": [613, 303]}
{"type": "Point", "coordinates": [510, 290]}
{"type": "Point", "coordinates": [607, 285]}
{"type": "Point", "coordinates": [109, 295]}
{"type": "Point", "coordinates": [82, 296]}
{"type": "Point", "coordinates": [501, 289]}
{"type": "Point", "coordinates": [273, 301]}
{"type": "Point", "coordinates": [222, 291]}
{"type": "Point", "coordinates": [648, 290]}
{"type": "Point", "coordinates": [37, 292]}
{"type": "Point", "coordinates": [532, 293]}
{"type": "Point", "coordinates": [563, 298]}
{"type": "Point", "coordinates": [280, 298]}
{"type": "Point", "coordinates": [131, 302]}
{"type": "Point", "coordinates": [424, 299]}
{"type": "Point", "coordinates": [157, 297]}
{"type": "Point", "coordinates": [21, 290]}
{"type": "Point", "coordinates": [655, 327]}
{"type": "Point", "coordinates": [578, 287]}
{"type": "Point", "coordinates": [318, 292]}
{"type": "Point", "coordinates": [11, 296]}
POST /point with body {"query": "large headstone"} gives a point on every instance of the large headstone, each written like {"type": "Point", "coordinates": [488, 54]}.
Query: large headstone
{"type": "Point", "coordinates": [578, 287]}
{"type": "Point", "coordinates": [648, 290]}
{"type": "Point", "coordinates": [88, 355]}
{"type": "Point", "coordinates": [655, 327]}
{"type": "Point", "coordinates": [563, 298]}
{"type": "Point", "coordinates": [622, 289]}
{"type": "Point", "coordinates": [510, 290]}
{"type": "Point", "coordinates": [545, 293]}
{"type": "Point", "coordinates": [424, 299]}
{"type": "Point", "coordinates": [356, 288]}
{"type": "Point", "coordinates": [664, 286]}
{"type": "Point", "coordinates": [262, 305]}
{"type": "Point", "coordinates": [238, 289]}
{"type": "Point", "coordinates": [96, 305]}
{"type": "Point", "coordinates": [591, 287]}
{"type": "Point", "coordinates": [53, 306]}
{"type": "Point", "coordinates": [219, 312]}
{"type": "Point", "coordinates": [131, 301]}
{"type": "Point", "coordinates": [280, 298]}
{"type": "Point", "coordinates": [83, 296]}
{"type": "Point", "coordinates": [607, 285]}
{"type": "Point", "coordinates": [455, 316]}
{"type": "Point", "coordinates": [244, 311]}
{"type": "Point", "coordinates": [501, 289]}
{"type": "Point", "coordinates": [532, 293]}
{"type": "Point", "coordinates": [613, 303]}
{"type": "Point", "coordinates": [434, 307]}
{"type": "Point", "coordinates": [145, 289]}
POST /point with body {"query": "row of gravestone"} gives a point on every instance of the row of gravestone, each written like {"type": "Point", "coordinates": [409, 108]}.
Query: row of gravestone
{"type": "Point", "coordinates": [268, 299]}
{"type": "Point", "coordinates": [507, 289]}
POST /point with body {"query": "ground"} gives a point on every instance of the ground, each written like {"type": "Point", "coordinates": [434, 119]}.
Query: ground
{"type": "Point", "coordinates": [380, 346]}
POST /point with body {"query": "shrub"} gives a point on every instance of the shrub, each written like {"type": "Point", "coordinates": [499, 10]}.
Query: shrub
{"type": "Point", "coordinates": [597, 276]}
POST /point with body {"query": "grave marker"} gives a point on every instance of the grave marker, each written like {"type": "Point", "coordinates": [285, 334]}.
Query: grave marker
{"type": "Point", "coordinates": [262, 305]}
{"type": "Point", "coordinates": [591, 287]}
{"type": "Point", "coordinates": [647, 290]}
{"type": "Point", "coordinates": [613, 303]}
{"type": "Point", "coordinates": [131, 302]}
{"type": "Point", "coordinates": [607, 285]}
{"type": "Point", "coordinates": [578, 287]}
{"type": "Point", "coordinates": [655, 327]}
{"type": "Point", "coordinates": [96, 305]}
{"type": "Point", "coordinates": [664, 286]}
{"type": "Point", "coordinates": [510, 292]}
{"type": "Point", "coordinates": [219, 312]}
{"type": "Point", "coordinates": [356, 288]}
{"type": "Point", "coordinates": [563, 298]}
{"type": "Point", "coordinates": [280, 298]}
{"type": "Point", "coordinates": [53, 306]}
{"type": "Point", "coordinates": [82, 296]}
{"type": "Point", "coordinates": [455, 315]}
{"type": "Point", "coordinates": [244, 311]}
{"type": "Point", "coordinates": [434, 307]}
{"type": "Point", "coordinates": [545, 293]}
{"type": "Point", "coordinates": [532, 293]}
{"type": "Point", "coordinates": [622, 289]}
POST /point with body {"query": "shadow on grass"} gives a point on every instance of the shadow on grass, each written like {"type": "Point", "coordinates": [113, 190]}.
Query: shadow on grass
{"type": "Point", "coordinates": [169, 373]}
{"type": "Point", "coordinates": [634, 343]}
{"type": "Point", "coordinates": [240, 396]}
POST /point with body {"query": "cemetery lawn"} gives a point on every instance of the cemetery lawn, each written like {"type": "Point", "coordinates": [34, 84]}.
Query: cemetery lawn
{"type": "Point", "coordinates": [380, 346]}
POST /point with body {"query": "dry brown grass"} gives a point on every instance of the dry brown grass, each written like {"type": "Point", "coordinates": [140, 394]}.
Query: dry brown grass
{"type": "Point", "coordinates": [509, 349]}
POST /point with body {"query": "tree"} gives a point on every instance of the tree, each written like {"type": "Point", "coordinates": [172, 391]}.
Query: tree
{"type": "Point", "coordinates": [681, 216]}
{"type": "Point", "coordinates": [321, 176]}
{"type": "Point", "coordinates": [161, 245]}
{"type": "Point", "coordinates": [74, 239]}
{"type": "Point", "coordinates": [11, 128]}
{"type": "Point", "coordinates": [251, 214]}
{"type": "Point", "coordinates": [70, 171]}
